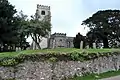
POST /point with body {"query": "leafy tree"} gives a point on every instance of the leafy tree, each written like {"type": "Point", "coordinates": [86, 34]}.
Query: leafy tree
{"type": "Point", "coordinates": [105, 25]}
{"type": "Point", "coordinates": [12, 27]}
{"type": "Point", "coordinates": [78, 39]}
{"type": "Point", "coordinates": [38, 29]}
{"type": "Point", "coordinates": [93, 37]}
{"type": "Point", "coordinates": [21, 23]}
{"type": "Point", "coordinates": [90, 39]}
{"type": "Point", "coordinates": [7, 33]}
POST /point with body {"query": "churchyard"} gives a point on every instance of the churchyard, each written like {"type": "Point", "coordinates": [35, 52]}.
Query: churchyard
{"type": "Point", "coordinates": [57, 56]}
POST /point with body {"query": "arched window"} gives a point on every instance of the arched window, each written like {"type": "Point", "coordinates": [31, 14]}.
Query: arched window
{"type": "Point", "coordinates": [42, 12]}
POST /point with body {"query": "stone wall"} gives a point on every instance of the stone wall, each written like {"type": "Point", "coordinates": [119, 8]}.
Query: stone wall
{"type": "Point", "coordinates": [58, 40]}
{"type": "Point", "coordinates": [39, 70]}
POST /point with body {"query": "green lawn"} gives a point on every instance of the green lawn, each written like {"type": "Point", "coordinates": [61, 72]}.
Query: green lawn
{"type": "Point", "coordinates": [96, 76]}
{"type": "Point", "coordinates": [13, 54]}
{"type": "Point", "coordinates": [77, 54]}
{"type": "Point", "coordinates": [58, 50]}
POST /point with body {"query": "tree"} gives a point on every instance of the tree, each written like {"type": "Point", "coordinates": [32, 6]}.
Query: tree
{"type": "Point", "coordinates": [12, 27]}
{"type": "Point", "coordinates": [38, 29]}
{"type": "Point", "coordinates": [78, 39]}
{"type": "Point", "coordinates": [106, 25]}
{"type": "Point", "coordinates": [7, 33]}
{"type": "Point", "coordinates": [22, 34]}
{"type": "Point", "coordinates": [93, 37]}
{"type": "Point", "coordinates": [90, 38]}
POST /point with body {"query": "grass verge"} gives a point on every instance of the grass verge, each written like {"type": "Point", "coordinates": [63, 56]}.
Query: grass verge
{"type": "Point", "coordinates": [58, 50]}
{"type": "Point", "coordinates": [59, 54]}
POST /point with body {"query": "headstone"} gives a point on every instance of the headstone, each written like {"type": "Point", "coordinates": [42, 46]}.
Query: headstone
{"type": "Point", "coordinates": [33, 45]}
{"type": "Point", "coordinates": [28, 48]}
{"type": "Point", "coordinates": [53, 44]}
{"type": "Point", "coordinates": [94, 45]}
{"type": "Point", "coordinates": [17, 49]}
{"type": "Point", "coordinates": [9, 47]}
{"type": "Point", "coordinates": [87, 46]}
{"type": "Point", "coordinates": [81, 45]}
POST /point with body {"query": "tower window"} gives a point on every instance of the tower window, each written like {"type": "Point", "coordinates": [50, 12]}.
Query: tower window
{"type": "Point", "coordinates": [42, 12]}
{"type": "Point", "coordinates": [60, 39]}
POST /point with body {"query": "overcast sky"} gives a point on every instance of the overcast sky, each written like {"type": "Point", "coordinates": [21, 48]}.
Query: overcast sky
{"type": "Point", "coordinates": [67, 15]}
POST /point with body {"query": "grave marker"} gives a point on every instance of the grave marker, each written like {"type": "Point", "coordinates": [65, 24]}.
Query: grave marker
{"type": "Point", "coordinates": [81, 45]}
{"type": "Point", "coordinates": [94, 45]}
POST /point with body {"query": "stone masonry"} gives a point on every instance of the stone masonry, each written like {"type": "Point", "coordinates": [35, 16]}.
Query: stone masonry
{"type": "Point", "coordinates": [60, 40]}
{"type": "Point", "coordinates": [42, 12]}
{"type": "Point", "coordinates": [44, 70]}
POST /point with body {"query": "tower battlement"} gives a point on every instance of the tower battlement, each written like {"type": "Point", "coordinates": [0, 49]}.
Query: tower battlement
{"type": "Point", "coordinates": [43, 11]}
{"type": "Point", "coordinates": [59, 34]}
{"type": "Point", "coordinates": [43, 7]}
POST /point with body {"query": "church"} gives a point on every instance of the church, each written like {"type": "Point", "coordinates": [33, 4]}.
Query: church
{"type": "Point", "coordinates": [56, 40]}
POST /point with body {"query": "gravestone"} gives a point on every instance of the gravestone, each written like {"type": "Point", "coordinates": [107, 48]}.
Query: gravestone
{"type": "Point", "coordinates": [87, 47]}
{"type": "Point", "coordinates": [34, 45]}
{"type": "Point", "coordinates": [17, 49]}
{"type": "Point", "coordinates": [94, 45]}
{"type": "Point", "coordinates": [53, 44]}
{"type": "Point", "coordinates": [81, 45]}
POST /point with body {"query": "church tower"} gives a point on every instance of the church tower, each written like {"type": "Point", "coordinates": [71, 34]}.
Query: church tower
{"type": "Point", "coordinates": [43, 12]}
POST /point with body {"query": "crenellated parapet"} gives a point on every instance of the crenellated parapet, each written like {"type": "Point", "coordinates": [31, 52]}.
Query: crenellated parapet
{"type": "Point", "coordinates": [43, 12]}
{"type": "Point", "coordinates": [58, 40]}
{"type": "Point", "coordinates": [43, 7]}
{"type": "Point", "coordinates": [59, 34]}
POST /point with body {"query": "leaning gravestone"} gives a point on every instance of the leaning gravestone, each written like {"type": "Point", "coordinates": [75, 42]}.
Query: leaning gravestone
{"type": "Point", "coordinates": [81, 45]}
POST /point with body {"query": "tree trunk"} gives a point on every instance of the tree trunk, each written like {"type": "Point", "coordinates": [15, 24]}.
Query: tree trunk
{"type": "Point", "coordinates": [35, 39]}
{"type": "Point", "coordinates": [105, 43]}
{"type": "Point", "coordinates": [38, 45]}
{"type": "Point", "coordinates": [104, 38]}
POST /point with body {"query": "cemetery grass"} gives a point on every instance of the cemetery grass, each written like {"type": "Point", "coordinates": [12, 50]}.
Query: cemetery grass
{"type": "Point", "coordinates": [97, 77]}
{"type": "Point", "coordinates": [57, 50]}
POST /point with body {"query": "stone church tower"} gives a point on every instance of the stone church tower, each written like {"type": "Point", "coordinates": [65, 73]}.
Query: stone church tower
{"type": "Point", "coordinates": [43, 12]}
